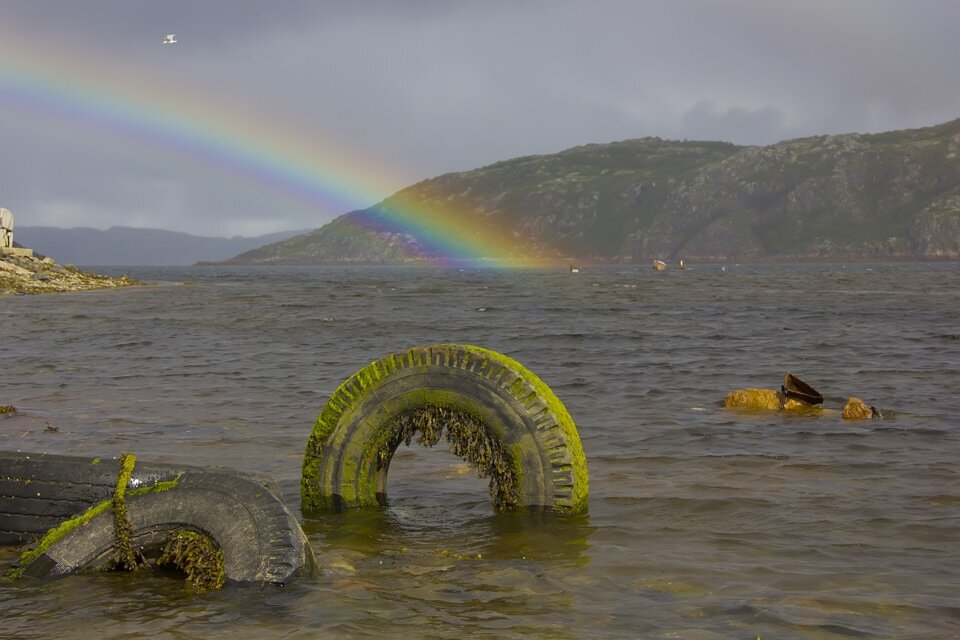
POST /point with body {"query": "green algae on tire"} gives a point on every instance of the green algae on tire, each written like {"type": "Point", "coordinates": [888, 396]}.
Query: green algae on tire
{"type": "Point", "coordinates": [124, 556]}
{"type": "Point", "coordinates": [491, 406]}
{"type": "Point", "coordinates": [242, 514]}
{"type": "Point", "coordinates": [27, 561]}
{"type": "Point", "coordinates": [262, 542]}
{"type": "Point", "coordinates": [40, 491]}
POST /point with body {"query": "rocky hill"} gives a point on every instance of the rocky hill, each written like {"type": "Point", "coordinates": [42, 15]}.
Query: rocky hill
{"type": "Point", "coordinates": [889, 195]}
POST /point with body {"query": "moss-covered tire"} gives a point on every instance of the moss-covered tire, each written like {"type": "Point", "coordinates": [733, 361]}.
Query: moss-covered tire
{"type": "Point", "coordinates": [65, 503]}
{"type": "Point", "coordinates": [260, 539]}
{"type": "Point", "coordinates": [39, 491]}
{"type": "Point", "coordinates": [344, 465]}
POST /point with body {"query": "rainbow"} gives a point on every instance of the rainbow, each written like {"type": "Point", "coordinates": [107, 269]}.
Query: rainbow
{"type": "Point", "coordinates": [88, 93]}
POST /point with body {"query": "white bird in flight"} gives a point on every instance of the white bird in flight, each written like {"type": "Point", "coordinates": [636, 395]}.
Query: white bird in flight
{"type": "Point", "coordinates": [170, 39]}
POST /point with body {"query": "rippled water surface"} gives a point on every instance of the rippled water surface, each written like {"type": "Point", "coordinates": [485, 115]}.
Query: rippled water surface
{"type": "Point", "coordinates": [704, 522]}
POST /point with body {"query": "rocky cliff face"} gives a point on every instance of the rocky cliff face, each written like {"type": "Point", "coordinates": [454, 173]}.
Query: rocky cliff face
{"type": "Point", "coordinates": [887, 195]}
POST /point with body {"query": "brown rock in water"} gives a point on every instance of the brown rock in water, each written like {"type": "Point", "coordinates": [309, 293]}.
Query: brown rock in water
{"type": "Point", "coordinates": [856, 409]}
{"type": "Point", "coordinates": [790, 404]}
{"type": "Point", "coordinates": [766, 400]}
{"type": "Point", "coordinates": [756, 399]}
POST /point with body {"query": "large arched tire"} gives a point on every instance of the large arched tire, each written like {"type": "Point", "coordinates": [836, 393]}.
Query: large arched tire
{"type": "Point", "coordinates": [340, 467]}
{"type": "Point", "coordinates": [260, 539]}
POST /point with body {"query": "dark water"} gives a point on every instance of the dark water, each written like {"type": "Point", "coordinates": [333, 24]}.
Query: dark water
{"type": "Point", "coordinates": [704, 523]}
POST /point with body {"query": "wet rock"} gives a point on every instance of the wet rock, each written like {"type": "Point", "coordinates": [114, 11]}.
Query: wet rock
{"type": "Point", "coordinates": [765, 400]}
{"type": "Point", "coordinates": [857, 409]}
{"type": "Point", "coordinates": [773, 400]}
{"type": "Point", "coordinates": [756, 399]}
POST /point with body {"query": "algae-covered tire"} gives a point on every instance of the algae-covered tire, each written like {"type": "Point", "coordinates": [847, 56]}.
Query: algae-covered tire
{"type": "Point", "coordinates": [39, 491]}
{"type": "Point", "coordinates": [344, 465]}
{"type": "Point", "coordinates": [260, 539]}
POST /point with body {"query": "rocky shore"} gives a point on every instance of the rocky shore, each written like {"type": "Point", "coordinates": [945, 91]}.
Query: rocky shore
{"type": "Point", "coordinates": [25, 274]}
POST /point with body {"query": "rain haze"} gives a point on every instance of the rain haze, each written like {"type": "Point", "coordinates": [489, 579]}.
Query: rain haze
{"type": "Point", "coordinates": [266, 117]}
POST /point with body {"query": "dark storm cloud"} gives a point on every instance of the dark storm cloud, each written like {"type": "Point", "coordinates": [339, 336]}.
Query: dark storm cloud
{"type": "Point", "coordinates": [419, 88]}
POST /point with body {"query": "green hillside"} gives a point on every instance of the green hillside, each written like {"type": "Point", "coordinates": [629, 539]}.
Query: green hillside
{"type": "Point", "coordinates": [889, 195]}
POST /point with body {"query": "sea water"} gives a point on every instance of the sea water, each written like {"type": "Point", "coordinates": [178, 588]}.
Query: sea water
{"type": "Point", "coordinates": [703, 522]}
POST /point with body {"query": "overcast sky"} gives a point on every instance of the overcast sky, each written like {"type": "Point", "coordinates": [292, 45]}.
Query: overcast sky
{"type": "Point", "coordinates": [390, 92]}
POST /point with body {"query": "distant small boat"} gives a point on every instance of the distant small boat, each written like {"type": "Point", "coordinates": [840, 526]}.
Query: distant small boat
{"type": "Point", "coordinates": [680, 266]}
{"type": "Point", "coordinates": [659, 265]}
{"type": "Point", "coordinates": [796, 389]}
{"type": "Point", "coordinates": [574, 269]}
{"type": "Point", "coordinates": [171, 38]}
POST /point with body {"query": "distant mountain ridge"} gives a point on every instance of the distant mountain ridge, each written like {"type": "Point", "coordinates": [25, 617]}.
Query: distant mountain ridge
{"type": "Point", "coordinates": [127, 246]}
{"type": "Point", "coordinates": [887, 195]}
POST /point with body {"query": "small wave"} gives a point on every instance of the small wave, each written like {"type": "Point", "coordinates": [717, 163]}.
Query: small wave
{"type": "Point", "coordinates": [133, 343]}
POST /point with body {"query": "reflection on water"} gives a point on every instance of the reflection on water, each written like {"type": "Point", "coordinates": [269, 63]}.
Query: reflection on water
{"type": "Point", "coordinates": [703, 523]}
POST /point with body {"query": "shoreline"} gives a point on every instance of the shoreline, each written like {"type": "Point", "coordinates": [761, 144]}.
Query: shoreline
{"type": "Point", "coordinates": [564, 263]}
{"type": "Point", "coordinates": [24, 274]}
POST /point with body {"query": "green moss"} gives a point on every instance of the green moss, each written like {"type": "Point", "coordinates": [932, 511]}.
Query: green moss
{"type": "Point", "coordinates": [349, 391]}
{"type": "Point", "coordinates": [95, 461]}
{"type": "Point", "coordinates": [310, 497]}
{"type": "Point", "coordinates": [196, 555]}
{"type": "Point", "coordinates": [159, 487]}
{"type": "Point", "coordinates": [124, 556]}
{"type": "Point", "coordinates": [578, 460]}
{"type": "Point", "coordinates": [53, 535]}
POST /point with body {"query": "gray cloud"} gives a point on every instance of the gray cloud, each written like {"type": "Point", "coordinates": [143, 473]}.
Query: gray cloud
{"type": "Point", "coordinates": [409, 90]}
{"type": "Point", "coordinates": [748, 126]}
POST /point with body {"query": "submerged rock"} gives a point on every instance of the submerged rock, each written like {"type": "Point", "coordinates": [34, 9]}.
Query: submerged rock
{"type": "Point", "coordinates": [773, 400]}
{"type": "Point", "coordinates": [757, 399]}
{"type": "Point", "coordinates": [857, 409]}
{"type": "Point", "coordinates": [763, 400]}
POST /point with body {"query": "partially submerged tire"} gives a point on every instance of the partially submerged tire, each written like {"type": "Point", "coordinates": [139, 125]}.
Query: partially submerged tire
{"type": "Point", "coordinates": [39, 491]}
{"type": "Point", "coordinates": [493, 400]}
{"type": "Point", "coordinates": [260, 540]}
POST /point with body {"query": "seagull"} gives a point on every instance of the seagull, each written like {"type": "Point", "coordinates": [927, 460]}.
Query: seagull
{"type": "Point", "coordinates": [170, 39]}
